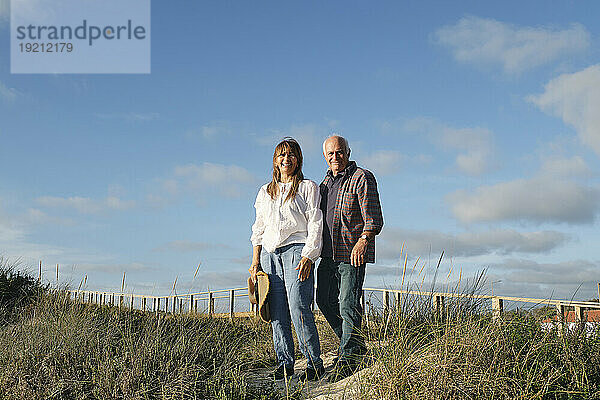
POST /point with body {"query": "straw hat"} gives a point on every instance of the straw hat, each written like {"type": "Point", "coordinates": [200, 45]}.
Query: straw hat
{"type": "Point", "coordinates": [258, 293]}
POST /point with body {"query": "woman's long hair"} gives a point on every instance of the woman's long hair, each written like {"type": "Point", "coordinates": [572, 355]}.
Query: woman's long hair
{"type": "Point", "coordinates": [286, 145]}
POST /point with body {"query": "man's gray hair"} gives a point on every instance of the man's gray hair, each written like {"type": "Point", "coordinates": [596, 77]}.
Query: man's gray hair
{"type": "Point", "coordinates": [344, 143]}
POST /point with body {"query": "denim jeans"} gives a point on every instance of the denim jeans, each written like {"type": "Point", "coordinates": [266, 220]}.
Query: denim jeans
{"type": "Point", "coordinates": [339, 288]}
{"type": "Point", "coordinates": [290, 300]}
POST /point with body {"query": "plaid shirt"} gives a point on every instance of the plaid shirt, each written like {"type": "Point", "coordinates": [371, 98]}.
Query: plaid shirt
{"type": "Point", "coordinates": [357, 210]}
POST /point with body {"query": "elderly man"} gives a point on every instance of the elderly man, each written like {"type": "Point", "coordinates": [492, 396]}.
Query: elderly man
{"type": "Point", "coordinates": [352, 218]}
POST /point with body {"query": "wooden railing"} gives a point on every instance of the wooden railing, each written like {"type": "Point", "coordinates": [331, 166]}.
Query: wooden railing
{"type": "Point", "coordinates": [178, 303]}
{"type": "Point", "coordinates": [497, 302]}
{"type": "Point", "coordinates": [189, 302]}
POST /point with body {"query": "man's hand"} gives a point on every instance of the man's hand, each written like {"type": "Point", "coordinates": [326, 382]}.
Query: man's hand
{"type": "Point", "coordinates": [254, 268]}
{"type": "Point", "coordinates": [305, 266]}
{"type": "Point", "coordinates": [357, 257]}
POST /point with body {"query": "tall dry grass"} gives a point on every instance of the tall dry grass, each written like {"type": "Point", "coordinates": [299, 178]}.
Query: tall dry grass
{"type": "Point", "coordinates": [460, 352]}
{"type": "Point", "coordinates": [61, 349]}
{"type": "Point", "coordinates": [54, 348]}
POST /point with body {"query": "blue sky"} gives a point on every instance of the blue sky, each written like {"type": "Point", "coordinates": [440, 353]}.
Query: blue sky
{"type": "Point", "coordinates": [479, 120]}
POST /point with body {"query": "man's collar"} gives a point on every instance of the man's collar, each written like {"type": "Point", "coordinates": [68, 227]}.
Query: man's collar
{"type": "Point", "coordinates": [348, 170]}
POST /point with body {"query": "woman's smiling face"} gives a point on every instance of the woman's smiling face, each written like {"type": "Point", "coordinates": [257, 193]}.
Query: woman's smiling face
{"type": "Point", "coordinates": [287, 162]}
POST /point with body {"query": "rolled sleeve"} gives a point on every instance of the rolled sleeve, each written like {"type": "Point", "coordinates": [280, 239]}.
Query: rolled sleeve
{"type": "Point", "coordinates": [258, 228]}
{"type": "Point", "coordinates": [370, 207]}
{"type": "Point", "coordinates": [314, 219]}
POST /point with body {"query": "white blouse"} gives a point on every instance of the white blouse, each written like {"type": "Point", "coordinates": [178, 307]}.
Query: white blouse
{"type": "Point", "coordinates": [298, 220]}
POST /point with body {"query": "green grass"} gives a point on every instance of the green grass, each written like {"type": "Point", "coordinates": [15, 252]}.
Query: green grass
{"type": "Point", "coordinates": [62, 349]}
{"type": "Point", "coordinates": [460, 353]}
{"type": "Point", "coordinates": [54, 348]}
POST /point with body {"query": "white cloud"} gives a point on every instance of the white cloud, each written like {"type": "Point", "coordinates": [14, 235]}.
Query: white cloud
{"type": "Point", "coordinates": [572, 273]}
{"type": "Point", "coordinates": [575, 98]}
{"type": "Point", "coordinates": [467, 244]}
{"type": "Point", "coordinates": [516, 49]}
{"type": "Point", "coordinates": [202, 181]}
{"type": "Point", "coordinates": [111, 268]}
{"type": "Point", "coordinates": [228, 180]}
{"type": "Point", "coordinates": [538, 200]}
{"type": "Point", "coordinates": [557, 166]}
{"type": "Point", "coordinates": [383, 162]}
{"type": "Point", "coordinates": [309, 136]}
{"type": "Point", "coordinates": [474, 145]}
{"type": "Point", "coordinates": [188, 246]}
{"type": "Point", "coordinates": [34, 216]}
{"type": "Point", "coordinates": [225, 279]}
{"type": "Point", "coordinates": [8, 94]}
{"type": "Point", "coordinates": [85, 205]}
{"type": "Point", "coordinates": [9, 233]}
{"type": "Point", "coordinates": [210, 131]}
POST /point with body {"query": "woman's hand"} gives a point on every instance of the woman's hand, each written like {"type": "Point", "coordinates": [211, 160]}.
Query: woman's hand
{"type": "Point", "coordinates": [304, 267]}
{"type": "Point", "coordinates": [254, 268]}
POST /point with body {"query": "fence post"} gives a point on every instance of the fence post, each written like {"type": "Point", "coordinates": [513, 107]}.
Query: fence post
{"type": "Point", "coordinates": [191, 303]}
{"type": "Point", "coordinates": [560, 314]}
{"type": "Point", "coordinates": [144, 303]}
{"type": "Point", "coordinates": [497, 308]}
{"type": "Point", "coordinates": [154, 305]}
{"type": "Point", "coordinates": [231, 303]}
{"type": "Point", "coordinates": [386, 302]}
{"type": "Point", "coordinates": [579, 313]}
{"type": "Point", "coordinates": [439, 304]}
{"type": "Point", "coordinates": [181, 305]}
{"type": "Point", "coordinates": [211, 304]}
{"type": "Point", "coordinates": [174, 304]}
{"type": "Point", "coordinates": [166, 305]}
{"type": "Point", "coordinates": [131, 305]}
{"type": "Point", "coordinates": [120, 302]}
{"type": "Point", "coordinates": [398, 303]}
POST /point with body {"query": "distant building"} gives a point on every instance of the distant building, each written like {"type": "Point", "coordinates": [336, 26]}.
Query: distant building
{"type": "Point", "coordinates": [591, 318]}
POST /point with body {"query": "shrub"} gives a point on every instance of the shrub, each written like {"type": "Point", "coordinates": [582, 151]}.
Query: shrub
{"type": "Point", "coordinates": [17, 290]}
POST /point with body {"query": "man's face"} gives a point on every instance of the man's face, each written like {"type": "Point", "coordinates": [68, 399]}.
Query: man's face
{"type": "Point", "coordinates": [335, 155]}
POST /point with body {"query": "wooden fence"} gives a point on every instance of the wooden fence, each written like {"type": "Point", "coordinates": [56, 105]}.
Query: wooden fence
{"type": "Point", "coordinates": [204, 302]}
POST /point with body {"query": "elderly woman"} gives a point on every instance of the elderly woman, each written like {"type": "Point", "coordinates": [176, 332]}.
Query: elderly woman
{"type": "Point", "coordinates": [286, 240]}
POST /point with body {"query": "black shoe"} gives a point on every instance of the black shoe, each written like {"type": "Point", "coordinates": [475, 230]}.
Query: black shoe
{"type": "Point", "coordinates": [282, 372]}
{"type": "Point", "coordinates": [342, 369]}
{"type": "Point", "coordinates": [311, 374]}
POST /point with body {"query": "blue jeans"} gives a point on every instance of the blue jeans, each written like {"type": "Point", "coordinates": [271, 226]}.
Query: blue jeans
{"type": "Point", "coordinates": [290, 300]}
{"type": "Point", "coordinates": [339, 288]}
